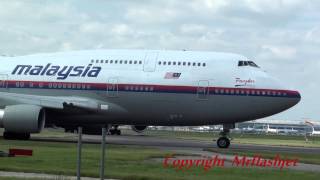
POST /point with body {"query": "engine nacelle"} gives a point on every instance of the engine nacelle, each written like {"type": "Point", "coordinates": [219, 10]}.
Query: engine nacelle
{"type": "Point", "coordinates": [22, 118]}
{"type": "Point", "coordinates": [139, 129]}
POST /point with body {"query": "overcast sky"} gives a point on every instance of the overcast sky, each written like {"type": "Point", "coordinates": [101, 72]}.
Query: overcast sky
{"type": "Point", "coordinates": [282, 36]}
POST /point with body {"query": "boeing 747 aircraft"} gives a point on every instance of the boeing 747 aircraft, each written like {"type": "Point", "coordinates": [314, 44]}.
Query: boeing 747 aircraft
{"type": "Point", "coordinates": [135, 87]}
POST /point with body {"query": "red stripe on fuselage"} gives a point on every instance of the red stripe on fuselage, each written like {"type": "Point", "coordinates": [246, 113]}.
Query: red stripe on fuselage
{"type": "Point", "coordinates": [148, 87]}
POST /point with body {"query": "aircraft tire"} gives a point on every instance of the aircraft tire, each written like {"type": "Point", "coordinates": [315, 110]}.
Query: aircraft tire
{"type": "Point", "coordinates": [223, 142]}
{"type": "Point", "coordinates": [16, 136]}
{"type": "Point", "coordinates": [118, 132]}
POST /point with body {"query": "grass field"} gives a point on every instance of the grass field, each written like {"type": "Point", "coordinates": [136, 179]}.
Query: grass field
{"type": "Point", "coordinates": [13, 178]}
{"type": "Point", "coordinates": [123, 162]}
{"type": "Point", "coordinates": [303, 157]}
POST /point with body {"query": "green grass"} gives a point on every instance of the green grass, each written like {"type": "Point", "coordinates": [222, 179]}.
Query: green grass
{"type": "Point", "coordinates": [123, 162]}
{"type": "Point", "coordinates": [222, 174]}
{"type": "Point", "coordinates": [302, 157]}
{"type": "Point", "coordinates": [60, 158]}
{"type": "Point", "coordinates": [16, 178]}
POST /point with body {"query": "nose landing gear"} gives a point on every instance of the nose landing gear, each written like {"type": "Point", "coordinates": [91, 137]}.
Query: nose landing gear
{"type": "Point", "coordinates": [224, 141]}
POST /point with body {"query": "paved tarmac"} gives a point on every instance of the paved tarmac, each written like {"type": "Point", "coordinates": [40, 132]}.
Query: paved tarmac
{"type": "Point", "coordinates": [145, 140]}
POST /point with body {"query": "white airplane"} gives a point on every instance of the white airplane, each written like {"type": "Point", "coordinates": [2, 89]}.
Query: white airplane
{"type": "Point", "coordinates": [135, 87]}
{"type": "Point", "coordinates": [271, 130]}
{"type": "Point", "coordinates": [315, 129]}
{"type": "Point", "coordinates": [202, 128]}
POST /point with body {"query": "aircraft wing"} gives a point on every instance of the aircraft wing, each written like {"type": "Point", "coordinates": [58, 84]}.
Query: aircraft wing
{"type": "Point", "coordinates": [59, 102]}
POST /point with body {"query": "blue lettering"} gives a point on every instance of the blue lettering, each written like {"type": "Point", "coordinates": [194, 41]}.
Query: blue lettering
{"type": "Point", "coordinates": [53, 71]}
{"type": "Point", "coordinates": [77, 71]}
{"type": "Point", "coordinates": [22, 69]}
{"type": "Point", "coordinates": [94, 72]}
{"type": "Point", "coordinates": [36, 70]}
{"type": "Point", "coordinates": [61, 72]}
{"type": "Point", "coordinates": [64, 72]}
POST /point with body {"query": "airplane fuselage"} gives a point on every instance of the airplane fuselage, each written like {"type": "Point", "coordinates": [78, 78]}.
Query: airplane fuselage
{"type": "Point", "coordinates": [148, 87]}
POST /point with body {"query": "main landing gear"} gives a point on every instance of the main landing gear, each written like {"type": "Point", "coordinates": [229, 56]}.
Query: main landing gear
{"type": "Point", "coordinates": [16, 136]}
{"type": "Point", "coordinates": [224, 141]}
{"type": "Point", "coordinates": [114, 130]}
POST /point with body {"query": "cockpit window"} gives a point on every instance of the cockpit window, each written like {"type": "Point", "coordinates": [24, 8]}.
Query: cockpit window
{"type": "Point", "coordinates": [252, 64]}
{"type": "Point", "coordinates": [240, 63]}
{"type": "Point", "coordinates": [247, 63]}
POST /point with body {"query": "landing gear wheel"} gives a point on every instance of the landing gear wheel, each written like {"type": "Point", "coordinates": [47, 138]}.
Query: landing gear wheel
{"type": "Point", "coordinates": [118, 132]}
{"type": "Point", "coordinates": [112, 131]}
{"type": "Point", "coordinates": [16, 136]}
{"type": "Point", "coordinates": [223, 142]}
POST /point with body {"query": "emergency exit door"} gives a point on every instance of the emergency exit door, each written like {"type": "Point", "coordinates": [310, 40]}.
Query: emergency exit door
{"type": "Point", "coordinates": [203, 90]}
{"type": "Point", "coordinates": [112, 87]}
{"type": "Point", "coordinates": [3, 81]}
{"type": "Point", "coordinates": [150, 61]}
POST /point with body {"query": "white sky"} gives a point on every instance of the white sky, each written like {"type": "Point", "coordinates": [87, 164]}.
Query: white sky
{"type": "Point", "coordinates": [282, 36]}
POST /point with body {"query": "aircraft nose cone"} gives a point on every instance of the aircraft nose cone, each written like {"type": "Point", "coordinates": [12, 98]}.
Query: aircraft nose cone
{"type": "Point", "coordinates": [295, 96]}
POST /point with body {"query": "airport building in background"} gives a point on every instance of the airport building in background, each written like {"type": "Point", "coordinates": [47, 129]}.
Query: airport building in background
{"type": "Point", "coordinates": [262, 126]}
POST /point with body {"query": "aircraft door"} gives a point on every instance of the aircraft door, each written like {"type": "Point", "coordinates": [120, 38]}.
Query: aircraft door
{"type": "Point", "coordinates": [203, 90]}
{"type": "Point", "coordinates": [3, 81]}
{"type": "Point", "coordinates": [112, 87]}
{"type": "Point", "coordinates": [150, 62]}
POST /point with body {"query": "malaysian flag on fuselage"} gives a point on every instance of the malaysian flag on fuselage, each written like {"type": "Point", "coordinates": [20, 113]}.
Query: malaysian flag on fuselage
{"type": "Point", "coordinates": [172, 75]}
